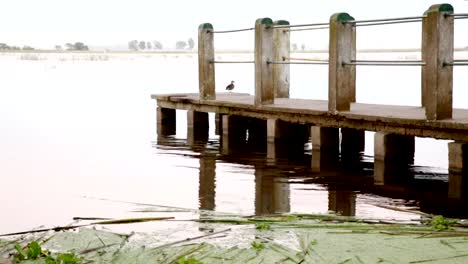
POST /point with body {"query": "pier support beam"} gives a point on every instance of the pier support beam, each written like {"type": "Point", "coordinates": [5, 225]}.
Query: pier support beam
{"type": "Point", "coordinates": [218, 124]}
{"type": "Point", "coordinates": [352, 146]}
{"type": "Point", "coordinates": [166, 121]}
{"type": "Point", "coordinates": [233, 134]}
{"type": "Point", "coordinates": [264, 93]}
{"type": "Point", "coordinates": [458, 170]}
{"type": "Point", "coordinates": [197, 126]}
{"type": "Point", "coordinates": [352, 140]}
{"type": "Point", "coordinates": [206, 67]}
{"type": "Point", "coordinates": [438, 54]}
{"type": "Point", "coordinates": [281, 52]}
{"type": "Point", "coordinates": [256, 133]}
{"type": "Point", "coordinates": [273, 130]}
{"type": "Point", "coordinates": [341, 76]}
{"type": "Point", "coordinates": [325, 147]}
{"type": "Point", "coordinates": [286, 132]}
{"type": "Point", "coordinates": [393, 154]}
{"type": "Point", "coordinates": [285, 138]}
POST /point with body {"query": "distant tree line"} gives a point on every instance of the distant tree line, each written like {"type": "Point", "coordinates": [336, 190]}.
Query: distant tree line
{"type": "Point", "coordinates": [294, 47]}
{"type": "Point", "coordinates": [136, 45]}
{"type": "Point", "coordinates": [68, 46]}
{"type": "Point", "coordinates": [73, 46]}
{"type": "Point", "coordinates": [144, 45]}
{"type": "Point", "coordinates": [189, 44]}
{"type": "Point", "coordinates": [4, 46]}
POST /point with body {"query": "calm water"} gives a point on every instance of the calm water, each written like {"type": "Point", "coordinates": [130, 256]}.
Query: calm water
{"type": "Point", "coordinates": [76, 129]}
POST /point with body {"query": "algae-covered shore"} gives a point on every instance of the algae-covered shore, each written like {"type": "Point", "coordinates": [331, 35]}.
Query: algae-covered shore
{"type": "Point", "coordinates": [225, 238]}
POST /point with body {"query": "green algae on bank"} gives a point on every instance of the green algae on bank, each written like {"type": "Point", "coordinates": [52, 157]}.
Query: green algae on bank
{"type": "Point", "coordinates": [307, 246]}
{"type": "Point", "coordinates": [289, 239]}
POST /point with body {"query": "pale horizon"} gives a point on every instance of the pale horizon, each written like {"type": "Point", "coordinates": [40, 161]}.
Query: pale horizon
{"type": "Point", "coordinates": [44, 24]}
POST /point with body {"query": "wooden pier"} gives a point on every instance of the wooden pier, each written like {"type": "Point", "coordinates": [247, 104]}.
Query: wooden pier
{"type": "Point", "coordinates": [270, 116]}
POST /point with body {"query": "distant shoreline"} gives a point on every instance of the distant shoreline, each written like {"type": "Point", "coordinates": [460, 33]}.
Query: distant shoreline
{"type": "Point", "coordinates": [217, 51]}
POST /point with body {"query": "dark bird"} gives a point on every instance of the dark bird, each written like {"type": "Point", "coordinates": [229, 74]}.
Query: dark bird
{"type": "Point", "coordinates": [230, 87]}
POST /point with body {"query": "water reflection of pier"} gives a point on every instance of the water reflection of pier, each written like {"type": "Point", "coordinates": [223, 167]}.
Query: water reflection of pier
{"type": "Point", "coordinates": [274, 176]}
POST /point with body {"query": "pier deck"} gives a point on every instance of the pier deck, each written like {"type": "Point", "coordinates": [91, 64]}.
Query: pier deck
{"type": "Point", "coordinates": [405, 120]}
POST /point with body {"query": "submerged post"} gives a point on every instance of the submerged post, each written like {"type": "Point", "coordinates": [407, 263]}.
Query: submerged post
{"type": "Point", "coordinates": [458, 170]}
{"type": "Point", "coordinates": [281, 51]}
{"type": "Point", "coordinates": [264, 93]}
{"type": "Point", "coordinates": [342, 50]}
{"type": "Point", "coordinates": [206, 75]}
{"type": "Point", "coordinates": [438, 52]}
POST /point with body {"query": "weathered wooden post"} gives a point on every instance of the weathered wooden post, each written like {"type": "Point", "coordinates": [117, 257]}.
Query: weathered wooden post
{"type": "Point", "coordinates": [264, 93]}
{"type": "Point", "coordinates": [281, 51]}
{"type": "Point", "coordinates": [342, 50]}
{"type": "Point", "coordinates": [438, 53]}
{"type": "Point", "coordinates": [206, 68]}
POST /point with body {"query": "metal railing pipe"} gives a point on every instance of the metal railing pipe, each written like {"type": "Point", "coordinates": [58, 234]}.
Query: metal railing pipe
{"type": "Point", "coordinates": [231, 31]}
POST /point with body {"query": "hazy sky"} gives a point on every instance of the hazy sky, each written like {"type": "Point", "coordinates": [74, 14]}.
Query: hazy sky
{"type": "Point", "coordinates": [45, 23]}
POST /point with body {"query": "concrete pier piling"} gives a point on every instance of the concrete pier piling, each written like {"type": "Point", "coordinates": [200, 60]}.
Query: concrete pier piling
{"type": "Point", "coordinates": [393, 154]}
{"type": "Point", "coordinates": [256, 133]}
{"type": "Point", "coordinates": [352, 147]}
{"type": "Point", "coordinates": [325, 147]}
{"type": "Point", "coordinates": [458, 170]}
{"type": "Point", "coordinates": [234, 133]}
{"type": "Point", "coordinates": [352, 141]}
{"type": "Point", "coordinates": [218, 124]}
{"type": "Point", "coordinates": [197, 126]}
{"type": "Point", "coordinates": [166, 121]}
{"type": "Point", "coordinates": [285, 138]}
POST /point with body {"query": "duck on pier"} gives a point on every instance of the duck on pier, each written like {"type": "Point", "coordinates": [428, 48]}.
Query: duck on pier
{"type": "Point", "coordinates": [230, 87]}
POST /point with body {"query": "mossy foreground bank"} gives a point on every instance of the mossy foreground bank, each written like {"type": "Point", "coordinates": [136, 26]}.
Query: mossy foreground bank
{"type": "Point", "coordinates": [276, 239]}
